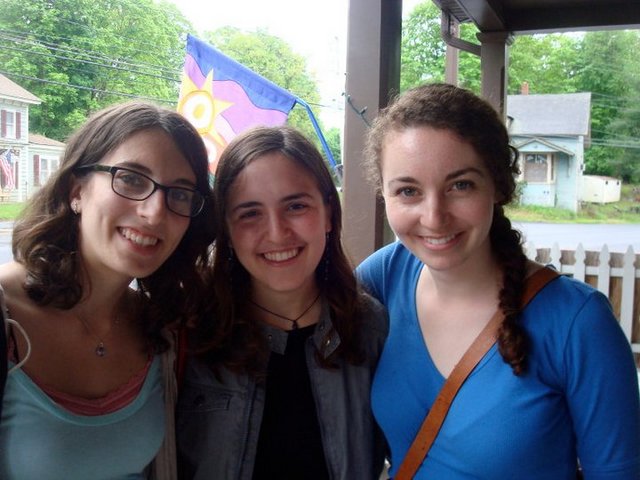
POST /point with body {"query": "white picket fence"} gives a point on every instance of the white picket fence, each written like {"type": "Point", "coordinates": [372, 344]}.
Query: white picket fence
{"type": "Point", "coordinates": [614, 274]}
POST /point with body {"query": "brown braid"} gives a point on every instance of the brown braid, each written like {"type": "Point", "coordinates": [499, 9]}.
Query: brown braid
{"type": "Point", "coordinates": [506, 244]}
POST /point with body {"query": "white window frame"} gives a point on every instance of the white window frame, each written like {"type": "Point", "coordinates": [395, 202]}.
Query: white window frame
{"type": "Point", "coordinates": [10, 125]}
{"type": "Point", "coordinates": [48, 166]}
{"type": "Point", "coordinates": [550, 173]}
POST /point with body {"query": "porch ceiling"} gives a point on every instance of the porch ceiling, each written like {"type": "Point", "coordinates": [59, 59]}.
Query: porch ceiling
{"type": "Point", "coordinates": [532, 16]}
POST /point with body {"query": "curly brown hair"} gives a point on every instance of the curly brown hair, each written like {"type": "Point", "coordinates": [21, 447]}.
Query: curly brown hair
{"type": "Point", "coordinates": [444, 106]}
{"type": "Point", "coordinates": [226, 335]}
{"type": "Point", "coordinates": [45, 235]}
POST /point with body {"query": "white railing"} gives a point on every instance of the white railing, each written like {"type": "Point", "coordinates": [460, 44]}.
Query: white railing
{"type": "Point", "coordinates": [614, 274]}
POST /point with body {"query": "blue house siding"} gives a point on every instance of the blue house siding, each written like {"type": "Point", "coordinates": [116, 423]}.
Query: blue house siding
{"type": "Point", "coordinates": [550, 131]}
{"type": "Point", "coordinates": [540, 194]}
{"type": "Point", "coordinates": [560, 186]}
{"type": "Point", "coordinates": [566, 185]}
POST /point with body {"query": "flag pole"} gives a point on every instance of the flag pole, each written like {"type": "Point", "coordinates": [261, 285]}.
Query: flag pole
{"type": "Point", "coordinates": [325, 146]}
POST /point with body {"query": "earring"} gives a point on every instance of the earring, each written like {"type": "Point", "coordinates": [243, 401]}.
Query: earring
{"type": "Point", "coordinates": [74, 207]}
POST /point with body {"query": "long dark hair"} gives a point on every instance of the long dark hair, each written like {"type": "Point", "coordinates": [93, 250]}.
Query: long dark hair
{"type": "Point", "coordinates": [45, 236]}
{"type": "Point", "coordinates": [476, 122]}
{"type": "Point", "coordinates": [227, 336]}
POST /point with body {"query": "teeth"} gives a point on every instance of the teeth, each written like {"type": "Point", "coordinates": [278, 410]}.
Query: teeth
{"type": "Point", "coordinates": [138, 238]}
{"type": "Point", "coordinates": [281, 256]}
{"type": "Point", "coordinates": [440, 241]}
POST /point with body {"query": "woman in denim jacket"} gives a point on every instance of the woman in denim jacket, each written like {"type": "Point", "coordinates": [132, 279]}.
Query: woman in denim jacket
{"type": "Point", "coordinates": [279, 384]}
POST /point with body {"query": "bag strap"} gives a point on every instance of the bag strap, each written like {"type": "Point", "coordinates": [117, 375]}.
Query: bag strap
{"type": "Point", "coordinates": [480, 346]}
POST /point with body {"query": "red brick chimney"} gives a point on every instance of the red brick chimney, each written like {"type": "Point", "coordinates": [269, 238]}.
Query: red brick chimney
{"type": "Point", "coordinates": [524, 89]}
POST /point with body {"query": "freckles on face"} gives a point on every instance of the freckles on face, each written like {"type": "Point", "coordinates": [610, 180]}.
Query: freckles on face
{"type": "Point", "coordinates": [439, 196]}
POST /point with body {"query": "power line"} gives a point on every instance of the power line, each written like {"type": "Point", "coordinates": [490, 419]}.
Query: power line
{"type": "Point", "coordinates": [96, 90]}
{"type": "Point", "coordinates": [88, 62]}
{"type": "Point", "coordinates": [616, 97]}
{"type": "Point", "coordinates": [173, 80]}
{"type": "Point", "coordinates": [113, 67]}
{"type": "Point", "coordinates": [85, 53]}
{"type": "Point", "coordinates": [615, 137]}
{"type": "Point", "coordinates": [605, 143]}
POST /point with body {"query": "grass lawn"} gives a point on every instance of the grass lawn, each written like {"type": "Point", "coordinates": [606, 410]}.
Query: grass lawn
{"type": "Point", "coordinates": [627, 210]}
{"type": "Point", "coordinates": [9, 211]}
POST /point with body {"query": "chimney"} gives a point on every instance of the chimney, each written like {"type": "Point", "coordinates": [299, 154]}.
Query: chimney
{"type": "Point", "coordinates": [524, 89]}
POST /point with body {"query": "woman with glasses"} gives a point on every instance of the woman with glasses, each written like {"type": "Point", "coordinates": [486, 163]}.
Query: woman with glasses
{"type": "Point", "coordinates": [279, 388]}
{"type": "Point", "coordinates": [89, 393]}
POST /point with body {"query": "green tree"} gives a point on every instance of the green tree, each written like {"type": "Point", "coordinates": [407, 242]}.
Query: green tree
{"type": "Point", "coordinates": [423, 50]}
{"type": "Point", "coordinates": [610, 70]}
{"type": "Point", "coordinates": [81, 55]}
{"type": "Point", "coordinates": [334, 141]}
{"type": "Point", "coordinates": [547, 63]}
{"type": "Point", "coordinates": [274, 59]}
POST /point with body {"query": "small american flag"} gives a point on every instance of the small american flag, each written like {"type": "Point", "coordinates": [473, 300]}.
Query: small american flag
{"type": "Point", "coordinates": [7, 170]}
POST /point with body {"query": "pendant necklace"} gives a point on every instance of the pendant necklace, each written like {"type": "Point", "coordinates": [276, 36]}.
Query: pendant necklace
{"type": "Point", "coordinates": [294, 321]}
{"type": "Point", "coordinates": [101, 349]}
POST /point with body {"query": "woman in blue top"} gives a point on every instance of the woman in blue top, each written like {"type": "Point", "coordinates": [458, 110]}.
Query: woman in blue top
{"type": "Point", "coordinates": [86, 396]}
{"type": "Point", "coordinates": [559, 385]}
{"type": "Point", "coordinates": [279, 387]}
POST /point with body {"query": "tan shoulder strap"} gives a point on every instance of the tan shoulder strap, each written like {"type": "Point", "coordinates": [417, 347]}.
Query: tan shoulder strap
{"type": "Point", "coordinates": [480, 346]}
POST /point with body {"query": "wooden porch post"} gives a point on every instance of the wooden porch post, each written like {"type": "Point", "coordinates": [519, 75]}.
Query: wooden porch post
{"type": "Point", "coordinates": [373, 75]}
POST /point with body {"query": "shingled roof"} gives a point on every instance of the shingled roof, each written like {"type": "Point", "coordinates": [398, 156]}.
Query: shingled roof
{"type": "Point", "coordinates": [551, 114]}
{"type": "Point", "coordinates": [38, 139]}
{"type": "Point", "coordinates": [12, 91]}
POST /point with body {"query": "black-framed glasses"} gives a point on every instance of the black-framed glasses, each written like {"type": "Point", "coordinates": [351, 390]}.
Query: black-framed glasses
{"type": "Point", "coordinates": [137, 186]}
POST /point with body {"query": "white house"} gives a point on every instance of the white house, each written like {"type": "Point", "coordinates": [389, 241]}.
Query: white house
{"type": "Point", "coordinates": [26, 160]}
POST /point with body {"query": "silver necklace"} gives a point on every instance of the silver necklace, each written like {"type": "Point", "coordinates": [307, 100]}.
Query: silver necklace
{"type": "Point", "coordinates": [101, 349]}
{"type": "Point", "coordinates": [294, 321]}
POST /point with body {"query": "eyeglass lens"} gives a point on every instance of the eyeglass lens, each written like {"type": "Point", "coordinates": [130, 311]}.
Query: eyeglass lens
{"type": "Point", "coordinates": [137, 186]}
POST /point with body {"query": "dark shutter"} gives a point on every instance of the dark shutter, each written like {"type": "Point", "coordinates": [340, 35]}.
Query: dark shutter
{"type": "Point", "coordinates": [3, 123]}
{"type": "Point", "coordinates": [18, 125]}
{"type": "Point", "coordinates": [36, 170]}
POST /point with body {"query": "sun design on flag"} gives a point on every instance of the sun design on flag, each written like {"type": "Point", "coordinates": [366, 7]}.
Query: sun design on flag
{"type": "Point", "coordinates": [201, 108]}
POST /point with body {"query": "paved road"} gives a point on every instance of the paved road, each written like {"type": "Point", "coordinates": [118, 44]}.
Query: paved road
{"type": "Point", "coordinates": [618, 238]}
{"type": "Point", "coordinates": [5, 242]}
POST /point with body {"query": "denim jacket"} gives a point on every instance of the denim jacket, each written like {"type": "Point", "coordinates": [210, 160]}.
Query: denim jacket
{"type": "Point", "coordinates": [218, 421]}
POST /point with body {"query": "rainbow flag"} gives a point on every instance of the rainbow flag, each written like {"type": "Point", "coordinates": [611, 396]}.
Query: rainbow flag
{"type": "Point", "coordinates": [222, 98]}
